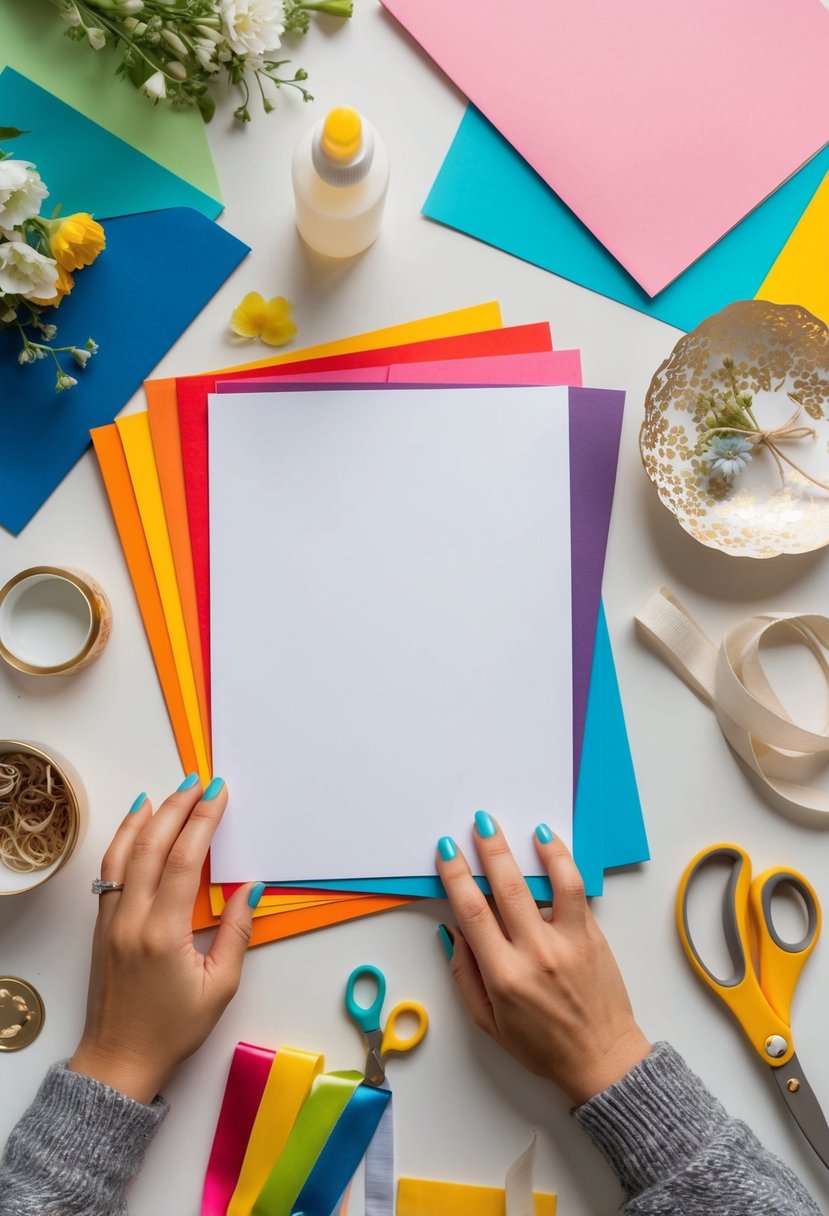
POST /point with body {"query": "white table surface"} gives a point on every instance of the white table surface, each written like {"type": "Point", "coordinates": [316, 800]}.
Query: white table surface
{"type": "Point", "coordinates": [464, 1109]}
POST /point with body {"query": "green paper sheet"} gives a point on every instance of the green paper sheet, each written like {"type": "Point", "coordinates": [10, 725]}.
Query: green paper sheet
{"type": "Point", "coordinates": [67, 148]}
{"type": "Point", "coordinates": [32, 41]}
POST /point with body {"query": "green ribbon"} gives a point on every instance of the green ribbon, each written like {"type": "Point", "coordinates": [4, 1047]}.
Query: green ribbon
{"type": "Point", "coordinates": [328, 1099]}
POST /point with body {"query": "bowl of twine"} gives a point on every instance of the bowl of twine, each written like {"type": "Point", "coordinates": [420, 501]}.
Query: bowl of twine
{"type": "Point", "coordinates": [40, 816]}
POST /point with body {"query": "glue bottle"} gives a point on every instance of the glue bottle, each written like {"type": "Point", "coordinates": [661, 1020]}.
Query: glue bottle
{"type": "Point", "coordinates": [341, 173]}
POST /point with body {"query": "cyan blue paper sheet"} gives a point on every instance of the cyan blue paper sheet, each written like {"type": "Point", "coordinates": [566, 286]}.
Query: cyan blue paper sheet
{"type": "Point", "coordinates": [158, 271]}
{"type": "Point", "coordinates": [608, 826]}
{"type": "Point", "coordinates": [86, 167]}
{"type": "Point", "coordinates": [485, 189]}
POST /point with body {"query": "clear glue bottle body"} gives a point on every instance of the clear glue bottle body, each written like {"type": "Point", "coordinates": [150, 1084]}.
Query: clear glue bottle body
{"type": "Point", "coordinates": [340, 174]}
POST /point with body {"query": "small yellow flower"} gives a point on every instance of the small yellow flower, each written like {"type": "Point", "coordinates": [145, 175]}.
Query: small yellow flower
{"type": "Point", "coordinates": [76, 241]}
{"type": "Point", "coordinates": [64, 285]}
{"type": "Point", "coordinates": [269, 320]}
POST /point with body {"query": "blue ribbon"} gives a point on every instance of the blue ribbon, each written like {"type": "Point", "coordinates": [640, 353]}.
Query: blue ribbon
{"type": "Point", "coordinates": [342, 1153]}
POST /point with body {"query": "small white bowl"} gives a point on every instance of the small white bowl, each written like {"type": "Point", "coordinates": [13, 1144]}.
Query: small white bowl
{"type": "Point", "coordinates": [14, 882]}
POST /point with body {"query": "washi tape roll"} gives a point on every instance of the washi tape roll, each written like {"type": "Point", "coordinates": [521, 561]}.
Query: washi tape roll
{"type": "Point", "coordinates": [53, 621]}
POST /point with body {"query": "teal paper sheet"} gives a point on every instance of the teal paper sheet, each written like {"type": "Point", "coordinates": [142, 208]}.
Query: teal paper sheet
{"type": "Point", "coordinates": [85, 167]}
{"type": "Point", "coordinates": [608, 827]}
{"type": "Point", "coordinates": [486, 190]}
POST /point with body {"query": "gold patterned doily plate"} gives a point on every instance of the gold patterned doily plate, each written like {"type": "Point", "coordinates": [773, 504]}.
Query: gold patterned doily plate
{"type": "Point", "coordinates": [780, 355]}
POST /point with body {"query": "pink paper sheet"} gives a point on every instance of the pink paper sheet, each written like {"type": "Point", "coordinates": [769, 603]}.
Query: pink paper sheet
{"type": "Point", "coordinates": [659, 124]}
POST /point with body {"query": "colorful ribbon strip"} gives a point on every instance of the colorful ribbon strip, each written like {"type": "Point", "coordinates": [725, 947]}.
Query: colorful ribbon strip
{"type": "Point", "coordinates": [732, 680]}
{"type": "Point", "coordinates": [289, 1083]}
{"type": "Point", "coordinates": [342, 1153]}
{"type": "Point", "coordinates": [246, 1081]}
{"type": "Point", "coordinates": [328, 1099]}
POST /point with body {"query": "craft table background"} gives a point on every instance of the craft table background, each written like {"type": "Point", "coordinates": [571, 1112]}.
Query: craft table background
{"type": "Point", "coordinates": [464, 1110]}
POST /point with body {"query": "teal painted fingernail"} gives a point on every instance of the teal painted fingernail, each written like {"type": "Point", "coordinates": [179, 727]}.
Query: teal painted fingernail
{"type": "Point", "coordinates": [256, 894]}
{"type": "Point", "coordinates": [187, 784]}
{"type": "Point", "coordinates": [212, 789]}
{"type": "Point", "coordinates": [447, 941]}
{"type": "Point", "coordinates": [139, 802]}
{"type": "Point", "coordinates": [544, 833]}
{"type": "Point", "coordinates": [485, 824]}
{"type": "Point", "coordinates": [447, 848]}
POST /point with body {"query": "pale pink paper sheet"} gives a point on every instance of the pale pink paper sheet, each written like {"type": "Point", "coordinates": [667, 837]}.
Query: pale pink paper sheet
{"type": "Point", "coordinates": [660, 123]}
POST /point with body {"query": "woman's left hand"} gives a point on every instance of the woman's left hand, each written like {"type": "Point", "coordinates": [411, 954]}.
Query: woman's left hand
{"type": "Point", "coordinates": [153, 997]}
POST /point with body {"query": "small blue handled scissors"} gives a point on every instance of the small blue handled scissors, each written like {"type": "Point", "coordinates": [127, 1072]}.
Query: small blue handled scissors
{"type": "Point", "coordinates": [381, 1042]}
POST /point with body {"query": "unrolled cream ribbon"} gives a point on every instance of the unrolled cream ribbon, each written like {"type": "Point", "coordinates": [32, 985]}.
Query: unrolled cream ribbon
{"type": "Point", "coordinates": [518, 1189]}
{"type": "Point", "coordinates": [731, 679]}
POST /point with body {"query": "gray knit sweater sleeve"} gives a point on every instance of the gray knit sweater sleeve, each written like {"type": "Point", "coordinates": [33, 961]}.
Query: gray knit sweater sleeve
{"type": "Point", "coordinates": [76, 1149]}
{"type": "Point", "coordinates": [675, 1150]}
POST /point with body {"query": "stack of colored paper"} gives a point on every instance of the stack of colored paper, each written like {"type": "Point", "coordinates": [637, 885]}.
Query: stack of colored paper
{"type": "Point", "coordinates": [178, 507]}
{"type": "Point", "coordinates": [631, 159]}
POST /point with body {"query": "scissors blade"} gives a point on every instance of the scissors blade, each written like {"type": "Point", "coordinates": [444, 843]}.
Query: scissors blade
{"type": "Point", "coordinates": [804, 1106]}
{"type": "Point", "coordinates": [375, 1069]}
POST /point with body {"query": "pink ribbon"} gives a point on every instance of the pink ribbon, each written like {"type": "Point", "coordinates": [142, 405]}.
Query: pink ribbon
{"type": "Point", "coordinates": [246, 1081]}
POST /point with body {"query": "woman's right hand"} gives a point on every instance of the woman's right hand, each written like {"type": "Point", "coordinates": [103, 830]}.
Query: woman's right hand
{"type": "Point", "coordinates": [153, 996]}
{"type": "Point", "coordinates": [548, 991]}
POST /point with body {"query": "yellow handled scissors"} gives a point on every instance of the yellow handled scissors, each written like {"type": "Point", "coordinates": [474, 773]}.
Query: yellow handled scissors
{"type": "Point", "coordinates": [381, 1042]}
{"type": "Point", "coordinates": [766, 970]}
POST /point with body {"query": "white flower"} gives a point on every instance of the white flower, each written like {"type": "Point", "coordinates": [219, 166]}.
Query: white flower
{"type": "Point", "coordinates": [172, 39]}
{"type": "Point", "coordinates": [209, 34]}
{"type": "Point", "coordinates": [253, 26]}
{"type": "Point", "coordinates": [27, 355]}
{"type": "Point", "coordinates": [71, 15]}
{"type": "Point", "coordinates": [48, 332]}
{"type": "Point", "coordinates": [81, 357]}
{"type": "Point", "coordinates": [91, 345]}
{"type": "Point", "coordinates": [65, 381]}
{"type": "Point", "coordinates": [132, 6]}
{"type": "Point", "coordinates": [156, 87]}
{"type": "Point", "coordinates": [97, 37]}
{"type": "Point", "coordinates": [25, 272]}
{"type": "Point", "coordinates": [205, 58]}
{"type": "Point", "coordinates": [21, 192]}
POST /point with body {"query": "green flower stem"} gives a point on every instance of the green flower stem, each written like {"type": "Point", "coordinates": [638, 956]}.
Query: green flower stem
{"type": "Point", "coordinates": [334, 8]}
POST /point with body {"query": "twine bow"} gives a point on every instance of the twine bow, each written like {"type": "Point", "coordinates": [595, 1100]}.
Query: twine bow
{"type": "Point", "coordinates": [731, 679]}
{"type": "Point", "coordinates": [772, 438]}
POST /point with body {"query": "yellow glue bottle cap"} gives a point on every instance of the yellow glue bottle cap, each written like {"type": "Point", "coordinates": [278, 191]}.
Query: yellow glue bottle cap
{"type": "Point", "coordinates": [342, 147]}
{"type": "Point", "coordinates": [342, 134]}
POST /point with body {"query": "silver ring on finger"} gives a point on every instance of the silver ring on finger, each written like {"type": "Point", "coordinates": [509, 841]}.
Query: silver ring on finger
{"type": "Point", "coordinates": [99, 887]}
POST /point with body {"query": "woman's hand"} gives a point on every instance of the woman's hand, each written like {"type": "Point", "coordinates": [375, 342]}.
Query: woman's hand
{"type": "Point", "coordinates": [153, 997]}
{"type": "Point", "coordinates": [549, 992]}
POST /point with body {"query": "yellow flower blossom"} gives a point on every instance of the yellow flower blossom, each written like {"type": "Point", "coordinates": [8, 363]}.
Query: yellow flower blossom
{"type": "Point", "coordinates": [76, 240]}
{"type": "Point", "coordinates": [269, 320]}
{"type": "Point", "coordinates": [64, 285]}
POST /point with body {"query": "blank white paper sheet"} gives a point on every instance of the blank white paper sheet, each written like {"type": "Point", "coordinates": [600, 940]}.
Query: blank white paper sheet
{"type": "Point", "coordinates": [391, 634]}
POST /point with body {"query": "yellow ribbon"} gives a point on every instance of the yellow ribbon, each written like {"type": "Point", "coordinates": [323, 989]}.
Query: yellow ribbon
{"type": "Point", "coordinates": [732, 680]}
{"type": "Point", "coordinates": [289, 1083]}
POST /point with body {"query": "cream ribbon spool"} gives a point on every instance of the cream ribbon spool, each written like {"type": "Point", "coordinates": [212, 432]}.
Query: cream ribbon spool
{"type": "Point", "coordinates": [732, 680]}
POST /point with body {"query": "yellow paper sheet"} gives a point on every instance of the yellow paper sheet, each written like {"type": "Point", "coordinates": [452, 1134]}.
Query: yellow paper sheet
{"type": "Point", "coordinates": [422, 1197]}
{"type": "Point", "coordinates": [470, 320]}
{"type": "Point", "coordinates": [801, 273]}
{"type": "Point", "coordinates": [134, 431]}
